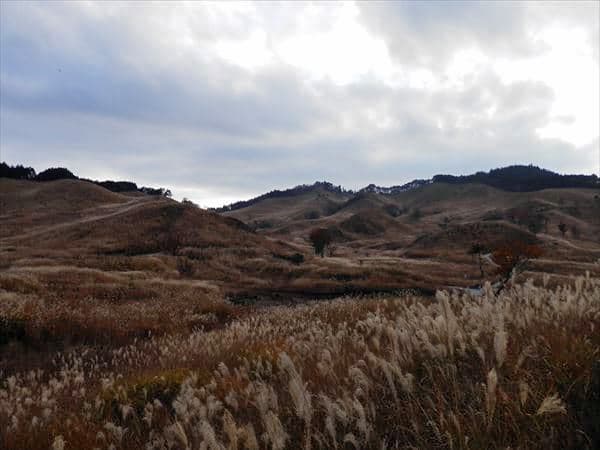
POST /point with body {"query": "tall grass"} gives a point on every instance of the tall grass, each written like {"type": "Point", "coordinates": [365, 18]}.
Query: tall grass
{"type": "Point", "coordinates": [518, 370]}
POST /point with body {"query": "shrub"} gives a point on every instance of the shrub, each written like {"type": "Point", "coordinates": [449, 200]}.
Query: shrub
{"type": "Point", "coordinates": [392, 210]}
{"type": "Point", "coordinates": [512, 258]}
{"type": "Point", "coordinates": [312, 215]}
{"type": "Point", "coordinates": [415, 214]}
{"type": "Point", "coordinates": [294, 258]}
{"type": "Point", "coordinates": [17, 172]}
{"type": "Point", "coordinates": [12, 329]}
{"type": "Point", "coordinates": [562, 227]}
{"type": "Point", "coordinates": [55, 173]}
{"type": "Point", "coordinates": [320, 239]}
{"type": "Point", "coordinates": [185, 266]}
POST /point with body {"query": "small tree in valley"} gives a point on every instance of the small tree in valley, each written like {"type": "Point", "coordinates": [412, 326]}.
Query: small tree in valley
{"type": "Point", "coordinates": [320, 239]}
{"type": "Point", "coordinates": [562, 227]}
{"type": "Point", "coordinates": [478, 249]}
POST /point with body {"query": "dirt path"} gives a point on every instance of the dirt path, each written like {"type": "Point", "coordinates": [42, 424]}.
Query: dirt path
{"type": "Point", "coordinates": [121, 208]}
{"type": "Point", "coordinates": [568, 243]}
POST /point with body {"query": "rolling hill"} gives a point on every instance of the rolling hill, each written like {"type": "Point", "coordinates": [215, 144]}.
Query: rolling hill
{"type": "Point", "coordinates": [437, 223]}
{"type": "Point", "coordinates": [415, 237]}
{"type": "Point", "coordinates": [427, 207]}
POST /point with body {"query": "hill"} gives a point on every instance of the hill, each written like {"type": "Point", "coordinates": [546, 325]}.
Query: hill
{"type": "Point", "coordinates": [119, 313]}
{"type": "Point", "coordinates": [59, 236]}
{"type": "Point", "coordinates": [431, 228]}
{"type": "Point", "coordinates": [86, 249]}
{"type": "Point", "coordinates": [301, 190]}
{"type": "Point", "coordinates": [523, 179]}
{"type": "Point", "coordinates": [66, 215]}
{"type": "Point", "coordinates": [20, 172]}
{"type": "Point", "coordinates": [525, 195]}
{"type": "Point", "coordinates": [431, 204]}
{"type": "Point", "coordinates": [302, 203]}
{"type": "Point", "coordinates": [516, 178]}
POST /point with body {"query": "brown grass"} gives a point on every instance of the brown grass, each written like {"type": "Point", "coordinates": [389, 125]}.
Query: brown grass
{"type": "Point", "coordinates": [111, 303]}
{"type": "Point", "coordinates": [402, 371]}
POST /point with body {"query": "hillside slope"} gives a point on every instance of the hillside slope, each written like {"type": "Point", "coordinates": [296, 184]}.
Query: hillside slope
{"type": "Point", "coordinates": [428, 231]}
{"type": "Point", "coordinates": [71, 223]}
{"type": "Point", "coordinates": [430, 206]}
{"type": "Point", "coordinates": [74, 240]}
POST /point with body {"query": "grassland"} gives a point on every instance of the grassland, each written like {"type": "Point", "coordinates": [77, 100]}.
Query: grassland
{"type": "Point", "coordinates": [133, 322]}
{"type": "Point", "coordinates": [520, 370]}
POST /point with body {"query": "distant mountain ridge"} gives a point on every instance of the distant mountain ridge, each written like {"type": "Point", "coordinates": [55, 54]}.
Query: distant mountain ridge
{"type": "Point", "coordinates": [516, 178]}
{"type": "Point", "coordinates": [522, 179]}
{"type": "Point", "coordinates": [20, 172]}
{"type": "Point", "coordinates": [292, 192]}
{"type": "Point", "coordinates": [395, 189]}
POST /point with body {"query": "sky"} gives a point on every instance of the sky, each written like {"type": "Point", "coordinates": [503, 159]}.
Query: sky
{"type": "Point", "coordinates": [224, 101]}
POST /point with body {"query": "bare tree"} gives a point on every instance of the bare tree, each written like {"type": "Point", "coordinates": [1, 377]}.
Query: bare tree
{"type": "Point", "coordinates": [478, 249]}
{"type": "Point", "coordinates": [320, 239]}
{"type": "Point", "coordinates": [562, 227]}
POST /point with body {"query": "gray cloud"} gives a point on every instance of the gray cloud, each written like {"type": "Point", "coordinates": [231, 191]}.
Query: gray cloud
{"type": "Point", "coordinates": [112, 93]}
{"type": "Point", "coordinates": [429, 33]}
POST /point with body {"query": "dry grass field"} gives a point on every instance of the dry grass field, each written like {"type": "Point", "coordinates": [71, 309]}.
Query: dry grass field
{"type": "Point", "coordinates": [519, 370]}
{"type": "Point", "coordinates": [132, 321]}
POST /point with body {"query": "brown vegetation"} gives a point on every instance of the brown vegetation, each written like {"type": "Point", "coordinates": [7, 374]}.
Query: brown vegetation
{"type": "Point", "coordinates": [518, 370]}
{"type": "Point", "coordinates": [140, 322]}
{"type": "Point", "coordinates": [320, 239]}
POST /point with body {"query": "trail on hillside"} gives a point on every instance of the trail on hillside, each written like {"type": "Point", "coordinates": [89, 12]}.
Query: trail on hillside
{"type": "Point", "coordinates": [121, 208]}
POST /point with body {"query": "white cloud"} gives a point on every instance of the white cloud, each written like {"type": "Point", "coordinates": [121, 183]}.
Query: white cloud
{"type": "Point", "coordinates": [226, 100]}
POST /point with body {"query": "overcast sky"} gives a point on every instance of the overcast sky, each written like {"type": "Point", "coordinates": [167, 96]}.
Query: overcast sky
{"type": "Point", "coordinates": [224, 101]}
